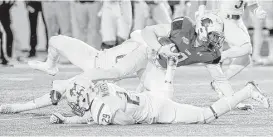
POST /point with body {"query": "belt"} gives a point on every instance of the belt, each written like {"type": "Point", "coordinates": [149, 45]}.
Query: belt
{"type": "Point", "coordinates": [235, 17]}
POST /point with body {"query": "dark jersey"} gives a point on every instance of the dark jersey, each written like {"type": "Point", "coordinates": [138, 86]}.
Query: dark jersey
{"type": "Point", "coordinates": [183, 36]}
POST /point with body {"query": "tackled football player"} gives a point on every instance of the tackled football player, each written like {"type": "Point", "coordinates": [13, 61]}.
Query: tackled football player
{"type": "Point", "coordinates": [105, 103]}
{"type": "Point", "coordinates": [148, 61]}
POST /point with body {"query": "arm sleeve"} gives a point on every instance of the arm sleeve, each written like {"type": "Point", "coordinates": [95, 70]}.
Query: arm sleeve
{"type": "Point", "coordinates": [150, 34]}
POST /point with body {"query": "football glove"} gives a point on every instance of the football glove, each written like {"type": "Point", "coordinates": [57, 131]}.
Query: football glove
{"type": "Point", "coordinates": [57, 118]}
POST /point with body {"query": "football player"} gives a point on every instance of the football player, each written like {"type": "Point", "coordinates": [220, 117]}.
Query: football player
{"type": "Point", "coordinates": [237, 37]}
{"type": "Point", "coordinates": [106, 103]}
{"type": "Point", "coordinates": [148, 61]}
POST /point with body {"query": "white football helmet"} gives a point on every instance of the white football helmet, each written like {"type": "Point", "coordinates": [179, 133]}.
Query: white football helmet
{"type": "Point", "coordinates": [79, 96]}
{"type": "Point", "coordinates": [210, 30]}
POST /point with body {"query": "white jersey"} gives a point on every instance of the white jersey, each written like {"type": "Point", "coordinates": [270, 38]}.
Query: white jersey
{"type": "Point", "coordinates": [233, 7]}
{"type": "Point", "coordinates": [135, 106]}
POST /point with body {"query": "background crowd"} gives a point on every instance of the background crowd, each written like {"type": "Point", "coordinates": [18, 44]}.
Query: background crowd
{"type": "Point", "coordinates": [26, 26]}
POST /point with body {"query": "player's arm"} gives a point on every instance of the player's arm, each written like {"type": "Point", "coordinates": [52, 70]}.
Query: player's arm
{"type": "Point", "coordinates": [256, 9]}
{"type": "Point", "coordinates": [151, 34]}
{"type": "Point", "coordinates": [120, 118]}
{"type": "Point", "coordinates": [209, 57]}
{"type": "Point", "coordinates": [57, 118]}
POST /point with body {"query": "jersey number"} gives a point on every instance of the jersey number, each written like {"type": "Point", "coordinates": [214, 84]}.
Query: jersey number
{"type": "Point", "coordinates": [182, 57]}
{"type": "Point", "coordinates": [105, 118]}
{"type": "Point", "coordinates": [239, 5]}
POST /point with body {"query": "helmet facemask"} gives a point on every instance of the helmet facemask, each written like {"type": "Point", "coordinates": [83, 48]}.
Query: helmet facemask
{"type": "Point", "coordinates": [80, 99]}
{"type": "Point", "coordinates": [210, 30]}
{"type": "Point", "coordinates": [215, 40]}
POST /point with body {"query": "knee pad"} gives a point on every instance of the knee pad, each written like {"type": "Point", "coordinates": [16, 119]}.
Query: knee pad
{"type": "Point", "coordinates": [55, 97]}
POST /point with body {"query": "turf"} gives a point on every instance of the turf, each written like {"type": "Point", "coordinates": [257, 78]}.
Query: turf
{"type": "Point", "coordinates": [21, 84]}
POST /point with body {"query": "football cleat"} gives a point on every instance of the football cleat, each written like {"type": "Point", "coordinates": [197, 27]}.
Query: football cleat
{"type": "Point", "coordinates": [257, 95]}
{"type": "Point", "coordinates": [43, 66]}
{"type": "Point", "coordinates": [6, 109]}
{"type": "Point", "coordinates": [57, 118]}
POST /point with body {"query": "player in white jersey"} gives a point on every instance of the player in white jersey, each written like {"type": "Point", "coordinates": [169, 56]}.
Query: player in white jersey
{"type": "Point", "coordinates": [143, 60]}
{"type": "Point", "coordinates": [107, 103]}
{"type": "Point", "coordinates": [236, 35]}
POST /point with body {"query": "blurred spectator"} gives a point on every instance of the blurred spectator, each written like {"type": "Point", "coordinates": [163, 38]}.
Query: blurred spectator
{"type": "Point", "coordinates": [180, 8]}
{"type": "Point", "coordinates": [263, 32]}
{"type": "Point", "coordinates": [88, 22]}
{"type": "Point", "coordinates": [34, 8]}
{"type": "Point", "coordinates": [2, 54]}
{"type": "Point", "coordinates": [150, 13]}
{"type": "Point", "coordinates": [5, 20]}
{"type": "Point", "coordinates": [58, 17]}
{"type": "Point", "coordinates": [116, 22]}
{"type": "Point", "coordinates": [173, 5]}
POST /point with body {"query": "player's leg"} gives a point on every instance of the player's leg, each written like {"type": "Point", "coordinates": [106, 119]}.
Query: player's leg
{"type": "Point", "coordinates": [109, 24]}
{"type": "Point", "coordinates": [93, 29]}
{"type": "Point", "coordinates": [81, 20]}
{"type": "Point", "coordinates": [48, 99]}
{"type": "Point", "coordinates": [160, 13]}
{"type": "Point", "coordinates": [257, 40]}
{"type": "Point", "coordinates": [172, 112]}
{"type": "Point", "coordinates": [77, 52]}
{"type": "Point", "coordinates": [57, 93]}
{"type": "Point", "coordinates": [239, 42]}
{"type": "Point", "coordinates": [124, 22]}
{"type": "Point", "coordinates": [270, 46]}
{"type": "Point", "coordinates": [141, 14]}
{"type": "Point", "coordinates": [128, 65]}
{"type": "Point", "coordinates": [240, 48]}
{"type": "Point", "coordinates": [50, 18]}
{"type": "Point", "coordinates": [237, 65]}
{"type": "Point", "coordinates": [221, 85]}
{"type": "Point", "coordinates": [226, 104]}
{"type": "Point", "coordinates": [64, 17]}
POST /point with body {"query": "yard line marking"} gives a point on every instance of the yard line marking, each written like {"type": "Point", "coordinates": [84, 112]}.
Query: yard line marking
{"type": "Point", "coordinates": [19, 118]}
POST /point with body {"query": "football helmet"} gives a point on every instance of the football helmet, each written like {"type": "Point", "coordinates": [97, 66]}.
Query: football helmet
{"type": "Point", "coordinates": [79, 96]}
{"type": "Point", "coordinates": [210, 30]}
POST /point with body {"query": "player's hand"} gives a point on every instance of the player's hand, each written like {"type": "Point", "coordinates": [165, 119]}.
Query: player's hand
{"type": "Point", "coordinates": [167, 51]}
{"type": "Point", "coordinates": [57, 118]}
{"type": "Point", "coordinates": [260, 13]}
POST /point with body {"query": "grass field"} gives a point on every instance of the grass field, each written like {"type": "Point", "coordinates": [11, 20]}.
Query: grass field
{"type": "Point", "coordinates": [192, 86]}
